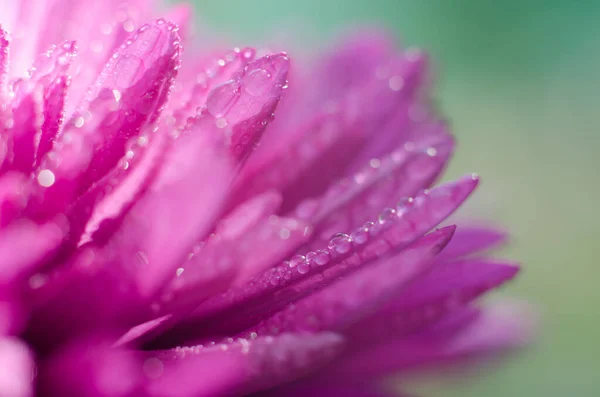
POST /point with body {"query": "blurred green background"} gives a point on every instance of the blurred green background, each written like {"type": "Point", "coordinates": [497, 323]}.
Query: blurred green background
{"type": "Point", "coordinates": [519, 81]}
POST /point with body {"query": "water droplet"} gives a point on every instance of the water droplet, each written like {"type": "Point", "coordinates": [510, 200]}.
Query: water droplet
{"type": "Point", "coordinates": [373, 228]}
{"type": "Point", "coordinates": [340, 243]}
{"type": "Point", "coordinates": [386, 216]}
{"type": "Point", "coordinates": [396, 83]}
{"type": "Point", "coordinates": [153, 368]}
{"type": "Point", "coordinates": [179, 271]}
{"type": "Point", "coordinates": [284, 234]}
{"type": "Point", "coordinates": [360, 236]}
{"type": "Point", "coordinates": [79, 121]}
{"type": "Point", "coordinates": [431, 151]}
{"type": "Point", "coordinates": [375, 163]}
{"type": "Point", "coordinates": [404, 206]}
{"type": "Point", "coordinates": [128, 26]}
{"type": "Point", "coordinates": [322, 257]}
{"type": "Point", "coordinates": [248, 53]}
{"type": "Point", "coordinates": [222, 98]}
{"type": "Point", "coordinates": [257, 82]}
{"type": "Point", "coordinates": [46, 178]}
{"type": "Point", "coordinates": [303, 267]}
{"type": "Point", "coordinates": [296, 260]}
{"type": "Point", "coordinates": [221, 122]}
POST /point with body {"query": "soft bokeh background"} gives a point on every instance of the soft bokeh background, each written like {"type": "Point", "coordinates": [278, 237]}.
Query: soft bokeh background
{"type": "Point", "coordinates": [520, 82]}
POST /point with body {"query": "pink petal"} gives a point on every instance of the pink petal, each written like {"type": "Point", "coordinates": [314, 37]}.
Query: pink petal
{"type": "Point", "coordinates": [16, 369]}
{"type": "Point", "coordinates": [242, 366]}
{"type": "Point", "coordinates": [359, 294]}
{"type": "Point", "coordinates": [95, 370]}
{"type": "Point", "coordinates": [445, 288]}
{"type": "Point", "coordinates": [244, 105]}
{"type": "Point", "coordinates": [351, 202]}
{"type": "Point", "coordinates": [25, 245]}
{"type": "Point", "coordinates": [128, 96]}
{"type": "Point", "coordinates": [394, 230]}
{"type": "Point", "coordinates": [465, 333]}
{"type": "Point", "coordinates": [208, 75]}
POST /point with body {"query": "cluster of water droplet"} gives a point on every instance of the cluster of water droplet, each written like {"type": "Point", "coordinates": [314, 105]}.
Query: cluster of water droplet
{"type": "Point", "coordinates": [341, 245]}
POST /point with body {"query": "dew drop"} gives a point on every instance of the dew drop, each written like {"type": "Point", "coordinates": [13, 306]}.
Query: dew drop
{"type": "Point", "coordinates": [322, 257]}
{"type": "Point", "coordinates": [340, 243]}
{"type": "Point", "coordinates": [360, 236]}
{"type": "Point", "coordinates": [153, 368]}
{"type": "Point", "coordinates": [303, 267]}
{"type": "Point", "coordinates": [248, 53]}
{"type": "Point", "coordinates": [396, 83]}
{"type": "Point", "coordinates": [46, 178]}
{"type": "Point", "coordinates": [222, 98]}
{"type": "Point", "coordinates": [257, 82]}
{"type": "Point", "coordinates": [386, 216]}
{"type": "Point", "coordinates": [404, 206]}
{"type": "Point", "coordinates": [431, 151]}
{"type": "Point", "coordinates": [297, 260]}
{"type": "Point", "coordinates": [128, 26]}
{"type": "Point", "coordinates": [221, 122]}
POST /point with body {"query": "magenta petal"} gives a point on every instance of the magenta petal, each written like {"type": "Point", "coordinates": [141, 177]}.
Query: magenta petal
{"type": "Point", "coordinates": [127, 96]}
{"type": "Point", "coordinates": [394, 230]}
{"type": "Point", "coordinates": [176, 200]}
{"type": "Point", "coordinates": [14, 191]}
{"type": "Point", "coordinates": [16, 369]}
{"type": "Point", "coordinates": [351, 202]}
{"type": "Point", "coordinates": [212, 72]}
{"type": "Point", "coordinates": [13, 314]}
{"type": "Point", "coordinates": [346, 301]}
{"type": "Point", "coordinates": [442, 290]}
{"type": "Point", "coordinates": [38, 106]}
{"type": "Point", "coordinates": [96, 370]}
{"type": "Point", "coordinates": [25, 245]}
{"type": "Point", "coordinates": [4, 63]}
{"type": "Point", "coordinates": [464, 333]}
{"type": "Point", "coordinates": [242, 366]}
{"type": "Point", "coordinates": [27, 120]}
{"type": "Point", "coordinates": [244, 105]}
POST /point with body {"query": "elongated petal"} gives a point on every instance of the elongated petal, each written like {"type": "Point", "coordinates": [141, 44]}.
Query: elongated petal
{"type": "Point", "coordinates": [394, 230]}
{"type": "Point", "coordinates": [16, 369]}
{"type": "Point", "coordinates": [466, 333]}
{"type": "Point", "coordinates": [127, 96]}
{"type": "Point", "coordinates": [444, 289]}
{"type": "Point", "coordinates": [244, 105]}
{"type": "Point", "coordinates": [25, 245]}
{"type": "Point", "coordinates": [348, 300]}
{"type": "Point", "coordinates": [242, 366]}
{"type": "Point", "coordinates": [96, 368]}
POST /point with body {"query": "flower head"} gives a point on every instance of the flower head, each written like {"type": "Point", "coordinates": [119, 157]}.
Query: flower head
{"type": "Point", "coordinates": [162, 234]}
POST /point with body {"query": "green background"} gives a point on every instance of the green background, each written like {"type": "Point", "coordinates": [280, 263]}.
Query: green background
{"type": "Point", "coordinates": [519, 81]}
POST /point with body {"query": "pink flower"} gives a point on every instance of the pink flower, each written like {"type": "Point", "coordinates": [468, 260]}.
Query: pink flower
{"type": "Point", "coordinates": [150, 246]}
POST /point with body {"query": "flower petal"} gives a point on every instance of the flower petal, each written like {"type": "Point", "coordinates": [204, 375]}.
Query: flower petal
{"type": "Point", "coordinates": [442, 290]}
{"type": "Point", "coordinates": [16, 369]}
{"type": "Point", "coordinates": [243, 366]}
{"type": "Point", "coordinates": [394, 231]}
{"type": "Point", "coordinates": [465, 333]}
{"type": "Point", "coordinates": [95, 369]}
{"type": "Point", "coordinates": [346, 301]}
{"type": "Point", "coordinates": [127, 96]}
